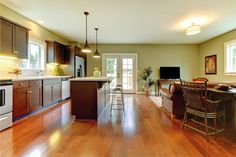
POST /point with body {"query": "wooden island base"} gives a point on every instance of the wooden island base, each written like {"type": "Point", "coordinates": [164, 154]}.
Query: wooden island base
{"type": "Point", "coordinates": [89, 97]}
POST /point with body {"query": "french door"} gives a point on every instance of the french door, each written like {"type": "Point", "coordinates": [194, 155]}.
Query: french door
{"type": "Point", "coordinates": [123, 68]}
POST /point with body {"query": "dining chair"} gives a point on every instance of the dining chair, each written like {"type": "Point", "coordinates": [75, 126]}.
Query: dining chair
{"type": "Point", "coordinates": [198, 105]}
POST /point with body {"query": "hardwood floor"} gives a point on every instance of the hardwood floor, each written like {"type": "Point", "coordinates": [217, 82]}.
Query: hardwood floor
{"type": "Point", "coordinates": [145, 131]}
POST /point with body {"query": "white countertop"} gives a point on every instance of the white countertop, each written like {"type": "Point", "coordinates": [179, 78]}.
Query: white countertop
{"type": "Point", "coordinates": [38, 78]}
{"type": "Point", "coordinates": [108, 79]}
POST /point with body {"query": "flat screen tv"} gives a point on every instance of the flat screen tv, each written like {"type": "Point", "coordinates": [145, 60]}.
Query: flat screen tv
{"type": "Point", "coordinates": [170, 72]}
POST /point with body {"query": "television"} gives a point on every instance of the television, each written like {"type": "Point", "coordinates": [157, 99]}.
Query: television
{"type": "Point", "coordinates": [170, 72]}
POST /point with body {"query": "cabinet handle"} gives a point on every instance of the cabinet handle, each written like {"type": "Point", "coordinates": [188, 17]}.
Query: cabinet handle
{"type": "Point", "coordinates": [15, 52]}
{"type": "Point", "coordinates": [21, 84]}
{"type": "Point", "coordinates": [35, 82]}
{"type": "Point", "coordinates": [29, 92]}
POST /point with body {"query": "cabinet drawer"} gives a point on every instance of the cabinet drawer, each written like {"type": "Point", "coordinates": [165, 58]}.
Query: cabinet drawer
{"type": "Point", "coordinates": [51, 81]}
{"type": "Point", "coordinates": [35, 83]}
{"type": "Point", "coordinates": [20, 84]}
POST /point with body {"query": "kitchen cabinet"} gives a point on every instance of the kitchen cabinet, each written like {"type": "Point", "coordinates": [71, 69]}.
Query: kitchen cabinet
{"type": "Point", "coordinates": [55, 52]}
{"type": "Point", "coordinates": [27, 97]}
{"type": "Point", "coordinates": [14, 39]}
{"type": "Point", "coordinates": [21, 42]}
{"type": "Point", "coordinates": [70, 59]}
{"type": "Point", "coordinates": [20, 99]}
{"type": "Point", "coordinates": [35, 95]}
{"type": "Point", "coordinates": [51, 91]}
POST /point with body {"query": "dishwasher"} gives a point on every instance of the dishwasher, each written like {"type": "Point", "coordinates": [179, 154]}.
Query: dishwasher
{"type": "Point", "coordinates": [65, 89]}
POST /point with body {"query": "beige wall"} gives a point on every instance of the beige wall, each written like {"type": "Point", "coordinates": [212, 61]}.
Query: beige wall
{"type": "Point", "coordinates": [216, 46]}
{"type": "Point", "coordinates": [36, 31]}
{"type": "Point", "coordinates": [155, 55]}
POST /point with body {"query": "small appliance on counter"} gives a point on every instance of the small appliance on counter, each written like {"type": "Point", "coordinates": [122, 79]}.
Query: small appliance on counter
{"type": "Point", "coordinates": [96, 72]}
{"type": "Point", "coordinates": [6, 101]}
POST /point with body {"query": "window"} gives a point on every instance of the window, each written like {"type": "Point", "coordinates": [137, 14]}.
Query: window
{"type": "Point", "coordinates": [35, 56]}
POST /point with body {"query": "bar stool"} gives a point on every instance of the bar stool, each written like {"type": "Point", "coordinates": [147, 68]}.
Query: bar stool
{"type": "Point", "coordinates": [117, 99]}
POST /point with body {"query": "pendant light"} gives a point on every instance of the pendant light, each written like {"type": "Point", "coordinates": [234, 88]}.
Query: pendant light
{"type": "Point", "coordinates": [96, 53]}
{"type": "Point", "coordinates": [86, 48]}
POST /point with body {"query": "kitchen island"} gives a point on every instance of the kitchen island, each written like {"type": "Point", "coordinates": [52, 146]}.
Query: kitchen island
{"type": "Point", "coordinates": [89, 97]}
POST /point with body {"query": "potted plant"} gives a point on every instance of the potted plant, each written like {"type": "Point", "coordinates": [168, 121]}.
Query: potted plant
{"type": "Point", "coordinates": [148, 81]}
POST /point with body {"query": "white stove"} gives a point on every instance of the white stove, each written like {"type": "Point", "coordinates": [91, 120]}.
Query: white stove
{"type": "Point", "coordinates": [6, 98]}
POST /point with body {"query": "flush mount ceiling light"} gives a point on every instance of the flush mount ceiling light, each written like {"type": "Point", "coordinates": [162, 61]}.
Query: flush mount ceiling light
{"type": "Point", "coordinates": [96, 53]}
{"type": "Point", "coordinates": [193, 29]}
{"type": "Point", "coordinates": [86, 48]}
{"type": "Point", "coordinates": [40, 21]}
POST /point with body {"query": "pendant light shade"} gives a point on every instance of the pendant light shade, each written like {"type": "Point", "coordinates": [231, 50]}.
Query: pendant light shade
{"type": "Point", "coordinates": [96, 53]}
{"type": "Point", "coordinates": [193, 29]}
{"type": "Point", "coordinates": [86, 48]}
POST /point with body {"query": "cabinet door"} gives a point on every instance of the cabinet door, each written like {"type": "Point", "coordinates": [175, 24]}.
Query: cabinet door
{"type": "Point", "coordinates": [47, 94]}
{"type": "Point", "coordinates": [7, 38]}
{"type": "Point", "coordinates": [34, 98]}
{"type": "Point", "coordinates": [59, 53]}
{"type": "Point", "coordinates": [56, 92]}
{"type": "Point", "coordinates": [21, 42]}
{"type": "Point", "coordinates": [20, 106]}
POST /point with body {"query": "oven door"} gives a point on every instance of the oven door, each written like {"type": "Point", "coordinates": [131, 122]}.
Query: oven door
{"type": "Point", "coordinates": [5, 99]}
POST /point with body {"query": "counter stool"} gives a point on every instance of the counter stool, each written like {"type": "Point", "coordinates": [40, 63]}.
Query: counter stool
{"type": "Point", "coordinates": [117, 99]}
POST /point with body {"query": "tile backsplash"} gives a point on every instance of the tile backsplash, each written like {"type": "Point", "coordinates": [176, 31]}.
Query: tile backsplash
{"type": "Point", "coordinates": [7, 65]}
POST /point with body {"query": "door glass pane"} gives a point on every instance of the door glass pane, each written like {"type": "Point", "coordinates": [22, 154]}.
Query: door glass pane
{"type": "Point", "coordinates": [127, 73]}
{"type": "Point", "coordinates": [111, 64]}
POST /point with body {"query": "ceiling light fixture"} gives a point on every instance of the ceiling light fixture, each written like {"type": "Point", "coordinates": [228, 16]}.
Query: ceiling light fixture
{"type": "Point", "coordinates": [96, 53]}
{"type": "Point", "coordinates": [86, 48]}
{"type": "Point", "coordinates": [40, 21]}
{"type": "Point", "coordinates": [193, 29]}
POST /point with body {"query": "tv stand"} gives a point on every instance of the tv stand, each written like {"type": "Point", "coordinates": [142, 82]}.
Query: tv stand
{"type": "Point", "coordinates": [160, 83]}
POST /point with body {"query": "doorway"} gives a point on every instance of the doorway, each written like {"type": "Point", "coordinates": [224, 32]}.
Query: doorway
{"type": "Point", "coordinates": [123, 67]}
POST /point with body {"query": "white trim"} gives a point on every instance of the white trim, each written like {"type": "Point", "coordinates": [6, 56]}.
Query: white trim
{"type": "Point", "coordinates": [120, 54]}
{"type": "Point", "coordinates": [226, 44]}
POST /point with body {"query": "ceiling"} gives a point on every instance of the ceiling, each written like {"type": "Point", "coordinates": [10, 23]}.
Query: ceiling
{"type": "Point", "coordinates": [131, 21]}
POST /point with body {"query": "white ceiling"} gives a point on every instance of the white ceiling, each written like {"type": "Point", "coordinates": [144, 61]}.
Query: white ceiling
{"type": "Point", "coordinates": [131, 21]}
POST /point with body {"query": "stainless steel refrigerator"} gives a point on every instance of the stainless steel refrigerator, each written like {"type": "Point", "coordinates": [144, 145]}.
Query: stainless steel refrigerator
{"type": "Point", "coordinates": [79, 67]}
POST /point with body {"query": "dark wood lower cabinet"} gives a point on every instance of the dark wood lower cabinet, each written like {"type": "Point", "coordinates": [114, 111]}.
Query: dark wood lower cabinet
{"type": "Point", "coordinates": [47, 94]}
{"type": "Point", "coordinates": [51, 91]}
{"type": "Point", "coordinates": [56, 91]}
{"type": "Point", "coordinates": [34, 101]}
{"type": "Point", "coordinates": [20, 99]}
{"type": "Point", "coordinates": [30, 96]}
{"type": "Point", "coordinates": [27, 97]}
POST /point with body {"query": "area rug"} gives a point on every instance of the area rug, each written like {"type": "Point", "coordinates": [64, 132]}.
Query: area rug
{"type": "Point", "coordinates": [157, 100]}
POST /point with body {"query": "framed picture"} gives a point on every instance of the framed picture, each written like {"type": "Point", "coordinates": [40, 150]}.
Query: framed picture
{"type": "Point", "coordinates": [210, 64]}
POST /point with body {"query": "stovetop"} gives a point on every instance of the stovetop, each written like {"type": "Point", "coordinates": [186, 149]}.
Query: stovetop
{"type": "Point", "coordinates": [5, 81]}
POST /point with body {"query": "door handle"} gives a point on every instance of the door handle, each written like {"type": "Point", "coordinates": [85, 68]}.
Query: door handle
{"type": "Point", "coordinates": [2, 92]}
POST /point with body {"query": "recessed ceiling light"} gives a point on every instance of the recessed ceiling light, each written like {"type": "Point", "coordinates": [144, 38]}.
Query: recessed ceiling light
{"type": "Point", "coordinates": [40, 21]}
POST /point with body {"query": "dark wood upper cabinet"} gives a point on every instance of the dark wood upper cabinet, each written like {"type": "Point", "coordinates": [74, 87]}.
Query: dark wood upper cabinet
{"type": "Point", "coordinates": [55, 52]}
{"type": "Point", "coordinates": [21, 42]}
{"type": "Point", "coordinates": [7, 38]}
{"type": "Point", "coordinates": [70, 53]}
{"type": "Point", "coordinates": [14, 39]}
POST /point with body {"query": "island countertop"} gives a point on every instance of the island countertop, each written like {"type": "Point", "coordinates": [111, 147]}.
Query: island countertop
{"type": "Point", "coordinates": [95, 79]}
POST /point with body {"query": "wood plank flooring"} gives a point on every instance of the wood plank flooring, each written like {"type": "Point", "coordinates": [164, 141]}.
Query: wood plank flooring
{"type": "Point", "coordinates": [144, 131]}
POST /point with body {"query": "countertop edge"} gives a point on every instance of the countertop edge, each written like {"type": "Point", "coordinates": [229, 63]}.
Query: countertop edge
{"type": "Point", "coordinates": [39, 78]}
